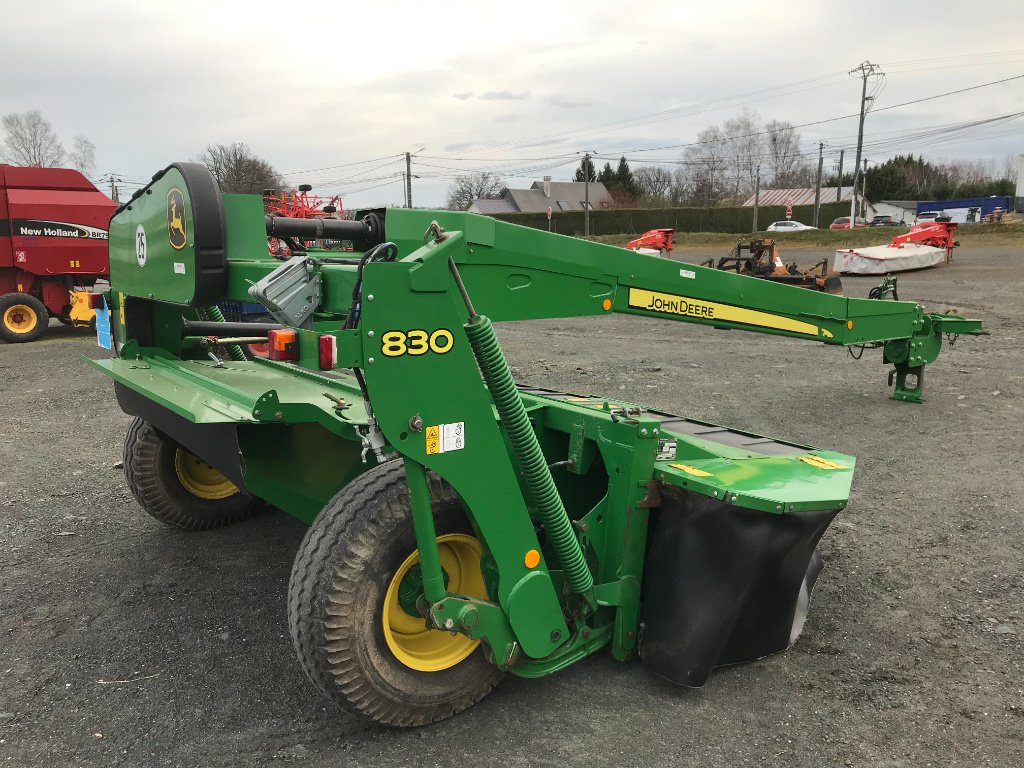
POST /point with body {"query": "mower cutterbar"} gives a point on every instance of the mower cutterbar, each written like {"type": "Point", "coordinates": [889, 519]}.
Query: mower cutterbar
{"type": "Point", "coordinates": [524, 528]}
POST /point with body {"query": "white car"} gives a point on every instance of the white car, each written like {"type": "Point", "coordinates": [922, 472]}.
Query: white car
{"type": "Point", "coordinates": [787, 226]}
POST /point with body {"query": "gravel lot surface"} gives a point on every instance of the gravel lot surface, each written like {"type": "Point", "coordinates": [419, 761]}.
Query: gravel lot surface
{"type": "Point", "coordinates": [124, 642]}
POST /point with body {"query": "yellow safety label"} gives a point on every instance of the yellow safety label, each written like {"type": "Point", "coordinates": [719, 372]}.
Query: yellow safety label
{"type": "Point", "coordinates": [443, 438]}
{"type": "Point", "coordinates": [433, 442]}
{"type": "Point", "coordinates": [670, 304]}
{"type": "Point", "coordinates": [691, 470]}
{"type": "Point", "coordinates": [820, 463]}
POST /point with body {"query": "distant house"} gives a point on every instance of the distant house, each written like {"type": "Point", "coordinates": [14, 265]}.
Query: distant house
{"type": "Point", "coordinates": [557, 195]}
{"type": "Point", "coordinates": [901, 210]}
{"type": "Point", "coordinates": [802, 196]}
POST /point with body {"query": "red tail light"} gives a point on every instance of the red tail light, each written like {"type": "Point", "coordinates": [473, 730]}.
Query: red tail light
{"type": "Point", "coordinates": [95, 300]}
{"type": "Point", "coordinates": [284, 345]}
{"type": "Point", "coordinates": [328, 347]}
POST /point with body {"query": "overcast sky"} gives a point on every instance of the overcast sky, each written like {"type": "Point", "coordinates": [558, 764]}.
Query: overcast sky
{"type": "Point", "coordinates": [334, 97]}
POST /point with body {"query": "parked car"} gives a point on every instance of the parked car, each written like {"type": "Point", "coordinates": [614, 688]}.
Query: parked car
{"type": "Point", "coordinates": [787, 226]}
{"type": "Point", "coordinates": [843, 222]}
{"type": "Point", "coordinates": [885, 220]}
{"type": "Point", "coordinates": [927, 216]}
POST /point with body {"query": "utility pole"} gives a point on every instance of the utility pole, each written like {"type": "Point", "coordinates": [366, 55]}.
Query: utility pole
{"type": "Point", "coordinates": [839, 186]}
{"type": "Point", "coordinates": [586, 194]}
{"type": "Point", "coordinates": [113, 188]}
{"type": "Point", "coordinates": [408, 179]}
{"type": "Point", "coordinates": [757, 195]}
{"type": "Point", "coordinates": [865, 70]}
{"type": "Point", "coordinates": [817, 184]}
{"type": "Point", "coordinates": [864, 187]}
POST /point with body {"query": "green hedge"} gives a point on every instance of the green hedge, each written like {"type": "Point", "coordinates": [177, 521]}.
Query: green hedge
{"type": "Point", "coordinates": [614, 221]}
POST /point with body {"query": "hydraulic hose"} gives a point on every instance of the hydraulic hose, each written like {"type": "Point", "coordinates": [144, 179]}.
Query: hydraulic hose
{"type": "Point", "coordinates": [527, 451]}
{"type": "Point", "coordinates": [213, 314]}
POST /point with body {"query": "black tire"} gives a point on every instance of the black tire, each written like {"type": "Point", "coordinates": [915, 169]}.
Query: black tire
{"type": "Point", "coordinates": [335, 605]}
{"type": "Point", "coordinates": [152, 474]}
{"type": "Point", "coordinates": [22, 317]}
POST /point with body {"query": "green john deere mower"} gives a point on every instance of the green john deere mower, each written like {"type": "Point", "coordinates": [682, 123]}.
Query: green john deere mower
{"type": "Point", "coordinates": [463, 527]}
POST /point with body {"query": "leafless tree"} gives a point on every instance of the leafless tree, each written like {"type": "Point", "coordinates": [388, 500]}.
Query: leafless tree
{"type": "Point", "coordinates": [30, 140]}
{"type": "Point", "coordinates": [743, 143]}
{"type": "Point", "coordinates": [236, 169]}
{"type": "Point", "coordinates": [1007, 167]}
{"type": "Point", "coordinates": [653, 185]}
{"type": "Point", "coordinates": [787, 167]}
{"type": "Point", "coordinates": [704, 173]}
{"type": "Point", "coordinates": [83, 156]}
{"type": "Point", "coordinates": [473, 186]}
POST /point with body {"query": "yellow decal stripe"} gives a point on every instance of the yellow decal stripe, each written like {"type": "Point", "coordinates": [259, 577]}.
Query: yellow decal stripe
{"type": "Point", "coordinates": [670, 304]}
{"type": "Point", "coordinates": [691, 470]}
{"type": "Point", "coordinates": [820, 463]}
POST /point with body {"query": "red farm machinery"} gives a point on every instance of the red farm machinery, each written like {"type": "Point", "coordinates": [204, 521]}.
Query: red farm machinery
{"type": "Point", "coordinates": [53, 249]}
{"type": "Point", "coordinates": [300, 205]}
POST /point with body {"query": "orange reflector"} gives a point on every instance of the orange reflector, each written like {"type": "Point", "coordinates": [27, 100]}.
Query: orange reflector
{"type": "Point", "coordinates": [328, 348]}
{"type": "Point", "coordinates": [849, 324]}
{"type": "Point", "coordinates": [532, 558]}
{"type": "Point", "coordinates": [284, 345]}
{"type": "Point", "coordinates": [607, 304]}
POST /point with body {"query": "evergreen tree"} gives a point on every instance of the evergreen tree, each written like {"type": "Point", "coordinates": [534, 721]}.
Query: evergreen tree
{"type": "Point", "coordinates": [624, 181]}
{"type": "Point", "coordinates": [607, 177]}
{"type": "Point", "coordinates": [586, 170]}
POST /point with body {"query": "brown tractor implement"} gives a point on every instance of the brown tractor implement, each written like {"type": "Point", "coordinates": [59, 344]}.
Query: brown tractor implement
{"type": "Point", "coordinates": [760, 258]}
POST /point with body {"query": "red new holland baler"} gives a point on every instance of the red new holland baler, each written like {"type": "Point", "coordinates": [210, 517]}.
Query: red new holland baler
{"type": "Point", "coordinates": [53, 249]}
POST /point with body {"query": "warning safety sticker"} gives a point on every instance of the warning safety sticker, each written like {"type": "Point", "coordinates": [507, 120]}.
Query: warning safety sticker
{"type": "Point", "coordinates": [443, 438]}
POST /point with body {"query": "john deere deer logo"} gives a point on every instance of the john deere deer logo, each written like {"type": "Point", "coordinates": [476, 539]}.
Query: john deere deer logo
{"type": "Point", "coordinates": [177, 234]}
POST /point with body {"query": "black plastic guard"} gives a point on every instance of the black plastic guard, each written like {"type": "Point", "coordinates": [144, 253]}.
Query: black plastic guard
{"type": "Point", "coordinates": [723, 584]}
{"type": "Point", "coordinates": [216, 444]}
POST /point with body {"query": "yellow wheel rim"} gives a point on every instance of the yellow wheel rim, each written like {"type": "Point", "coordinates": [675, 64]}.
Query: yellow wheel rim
{"type": "Point", "coordinates": [20, 318]}
{"type": "Point", "coordinates": [432, 650]}
{"type": "Point", "coordinates": [200, 479]}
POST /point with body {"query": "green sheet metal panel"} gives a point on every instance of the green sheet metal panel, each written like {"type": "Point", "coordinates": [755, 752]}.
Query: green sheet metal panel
{"type": "Point", "coordinates": [167, 242]}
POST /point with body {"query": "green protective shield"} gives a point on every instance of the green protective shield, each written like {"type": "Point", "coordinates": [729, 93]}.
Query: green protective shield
{"type": "Point", "coordinates": [167, 242]}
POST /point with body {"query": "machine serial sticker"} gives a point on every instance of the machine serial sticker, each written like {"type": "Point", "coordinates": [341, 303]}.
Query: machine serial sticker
{"type": "Point", "coordinates": [670, 304]}
{"type": "Point", "coordinates": [444, 438]}
{"type": "Point", "coordinates": [689, 274]}
{"type": "Point", "coordinates": [820, 463]}
{"type": "Point", "coordinates": [691, 470]}
{"type": "Point", "coordinates": [179, 268]}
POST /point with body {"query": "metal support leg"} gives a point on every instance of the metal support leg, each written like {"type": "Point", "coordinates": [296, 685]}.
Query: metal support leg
{"type": "Point", "coordinates": [426, 536]}
{"type": "Point", "coordinates": [911, 394]}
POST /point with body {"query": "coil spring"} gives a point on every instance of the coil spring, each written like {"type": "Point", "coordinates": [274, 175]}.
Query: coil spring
{"type": "Point", "coordinates": [527, 452]}
{"type": "Point", "coordinates": [213, 314]}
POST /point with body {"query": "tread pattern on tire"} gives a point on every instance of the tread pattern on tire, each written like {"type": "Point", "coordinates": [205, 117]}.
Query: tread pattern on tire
{"type": "Point", "coordinates": [329, 615]}
{"type": "Point", "coordinates": [149, 470]}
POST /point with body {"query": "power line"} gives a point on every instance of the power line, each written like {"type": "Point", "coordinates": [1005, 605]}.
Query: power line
{"type": "Point", "coordinates": [822, 122]}
{"type": "Point", "coordinates": [342, 165]}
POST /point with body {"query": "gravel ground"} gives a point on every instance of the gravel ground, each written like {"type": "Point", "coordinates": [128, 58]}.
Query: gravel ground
{"type": "Point", "coordinates": [123, 642]}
